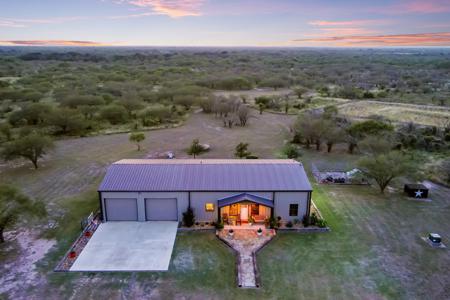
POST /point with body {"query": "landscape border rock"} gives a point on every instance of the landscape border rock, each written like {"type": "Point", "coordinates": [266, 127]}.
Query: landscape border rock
{"type": "Point", "coordinates": [67, 261]}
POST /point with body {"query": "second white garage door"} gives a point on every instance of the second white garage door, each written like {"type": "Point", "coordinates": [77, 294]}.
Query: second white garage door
{"type": "Point", "coordinates": [161, 209]}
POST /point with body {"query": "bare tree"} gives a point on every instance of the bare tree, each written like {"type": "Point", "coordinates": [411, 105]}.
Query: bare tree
{"type": "Point", "coordinates": [243, 114]}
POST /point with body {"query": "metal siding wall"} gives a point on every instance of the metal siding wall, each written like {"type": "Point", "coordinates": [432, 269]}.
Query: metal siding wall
{"type": "Point", "coordinates": [283, 199]}
{"type": "Point", "coordinates": [199, 199]}
{"type": "Point", "coordinates": [141, 208]}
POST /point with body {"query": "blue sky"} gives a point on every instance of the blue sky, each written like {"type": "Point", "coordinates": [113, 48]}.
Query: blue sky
{"type": "Point", "coordinates": [338, 23]}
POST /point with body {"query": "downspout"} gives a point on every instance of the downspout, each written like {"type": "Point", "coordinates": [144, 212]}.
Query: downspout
{"type": "Point", "coordinates": [308, 211]}
{"type": "Point", "coordinates": [218, 214]}
{"type": "Point", "coordinates": [189, 199]}
{"type": "Point", "coordinates": [101, 206]}
{"type": "Point", "coordinates": [272, 212]}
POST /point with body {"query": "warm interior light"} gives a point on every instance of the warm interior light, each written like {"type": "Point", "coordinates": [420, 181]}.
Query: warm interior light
{"type": "Point", "coordinates": [209, 206]}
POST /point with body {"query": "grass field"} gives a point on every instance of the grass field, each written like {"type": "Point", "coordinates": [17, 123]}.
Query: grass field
{"type": "Point", "coordinates": [374, 250]}
{"type": "Point", "coordinates": [396, 112]}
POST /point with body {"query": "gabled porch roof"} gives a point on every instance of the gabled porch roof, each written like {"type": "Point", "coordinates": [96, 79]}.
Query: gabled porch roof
{"type": "Point", "coordinates": [244, 197]}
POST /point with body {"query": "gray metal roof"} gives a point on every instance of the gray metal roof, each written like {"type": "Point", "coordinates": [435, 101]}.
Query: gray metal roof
{"type": "Point", "coordinates": [205, 175]}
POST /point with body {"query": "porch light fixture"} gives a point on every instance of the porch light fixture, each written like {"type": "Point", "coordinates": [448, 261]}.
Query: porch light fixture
{"type": "Point", "coordinates": [209, 206]}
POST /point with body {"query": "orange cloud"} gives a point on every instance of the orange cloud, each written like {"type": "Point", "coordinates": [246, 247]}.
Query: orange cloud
{"type": "Point", "coordinates": [171, 8]}
{"type": "Point", "coordinates": [415, 39]}
{"type": "Point", "coordinates": [54, 43]}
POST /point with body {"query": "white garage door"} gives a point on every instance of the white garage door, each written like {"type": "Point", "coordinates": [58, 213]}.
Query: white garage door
{"type": "Point", "coordinates": [121, 209]}
{"type": "Point", "coordinates": [161, 209]}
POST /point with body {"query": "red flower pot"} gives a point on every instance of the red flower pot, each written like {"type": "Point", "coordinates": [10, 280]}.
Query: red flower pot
{"type": "Point", "coordinates": [72, 254]}
{"type": "Point", "coordinates": [87, 234]}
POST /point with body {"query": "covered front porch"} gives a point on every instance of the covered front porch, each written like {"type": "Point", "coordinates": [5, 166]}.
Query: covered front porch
{"type": "Point", "coordinates": [244, 210]}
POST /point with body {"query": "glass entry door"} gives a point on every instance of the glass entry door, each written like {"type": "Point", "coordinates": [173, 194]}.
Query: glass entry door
{"type": "Point", "coordinates": [244, 212]}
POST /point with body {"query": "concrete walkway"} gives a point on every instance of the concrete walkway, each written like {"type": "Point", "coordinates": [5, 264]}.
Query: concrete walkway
{"type": "Point", "coordinates": [247, 242]}
{"type": "Point", "coordinates": [129, 246]}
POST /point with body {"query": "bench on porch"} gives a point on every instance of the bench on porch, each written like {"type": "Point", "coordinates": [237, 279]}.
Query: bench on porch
{"type": "Point", "coordinates": [258, 218]}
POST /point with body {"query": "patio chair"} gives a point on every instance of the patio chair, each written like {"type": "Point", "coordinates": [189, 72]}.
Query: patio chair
{"type": "Point", "coordinates": [225, 218]}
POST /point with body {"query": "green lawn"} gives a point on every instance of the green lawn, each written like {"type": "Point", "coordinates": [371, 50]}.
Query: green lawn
{"type": "Point", "coordinates": [373, 251]}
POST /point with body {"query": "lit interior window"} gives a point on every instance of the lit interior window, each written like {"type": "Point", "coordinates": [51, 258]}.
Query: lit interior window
{"type": "Point", "coordinates": [209, 206]}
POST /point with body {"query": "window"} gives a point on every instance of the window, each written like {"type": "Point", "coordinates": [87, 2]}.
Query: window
{"type": "Point", "coordinates": [234, 209]}
{"type": "Point", "coordinates": [293, 210]}
{"type": "Point", "coordinates": [255, 209]}
{"type": "Point", "coordinates": [209, 206]}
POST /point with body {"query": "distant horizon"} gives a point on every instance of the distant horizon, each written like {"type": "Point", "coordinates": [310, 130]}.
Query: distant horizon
{"type": "Point", "coordinates": [231, 23]}
{"type": "Point", "coordinates": [229, 47]}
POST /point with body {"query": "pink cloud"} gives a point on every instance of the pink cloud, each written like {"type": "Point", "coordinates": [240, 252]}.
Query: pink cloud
{"type": "Point", "coordinates": [417, 7]}
{"type": "Point", "coordinates": [171, 8]}
{"type": "Point", "coordinates": [348, 27]}
{"type": "Point", "coordinates": [346, 31]}
{"type": "Point", "coordinates": [53, 43]}
{"type": "Point", "coordinates": [428, 6]}
{"type": "Point", "coordinates": [12, 24]}
{"type": "Point", "coordinates": [131, 16]}
{"type": "Point", "coordinates": [321, 23]}
{"type": "Point", "coordinates": [415, 39]}
{"type": "Point", "coordinates": [20, 23]}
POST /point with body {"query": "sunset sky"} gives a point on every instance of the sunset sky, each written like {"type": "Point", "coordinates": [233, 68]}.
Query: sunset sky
{"type": "Point", "coordinates": [283, 23]}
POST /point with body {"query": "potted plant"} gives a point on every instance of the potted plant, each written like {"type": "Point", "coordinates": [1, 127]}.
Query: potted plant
{"type": "Point", "coordinates": [72, 254]}
{"type": "Point", "coordinates": [259, 231]}
{"type": "Point", "coordinates": [273, 224]}
{"type": "Point", "coordinates": [219, 226]}
{"type": "Point", "coordinates": [88, 234]}
{"type": "Point", "coordinates": [231, 232]}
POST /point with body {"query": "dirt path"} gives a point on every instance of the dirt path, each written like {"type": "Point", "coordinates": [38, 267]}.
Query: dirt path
{"type": "Point", "coordinates": [21, 272]}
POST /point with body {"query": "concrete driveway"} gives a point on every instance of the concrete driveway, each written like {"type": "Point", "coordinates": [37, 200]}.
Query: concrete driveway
{"type": "Point", "coordinates": [129, 246]}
